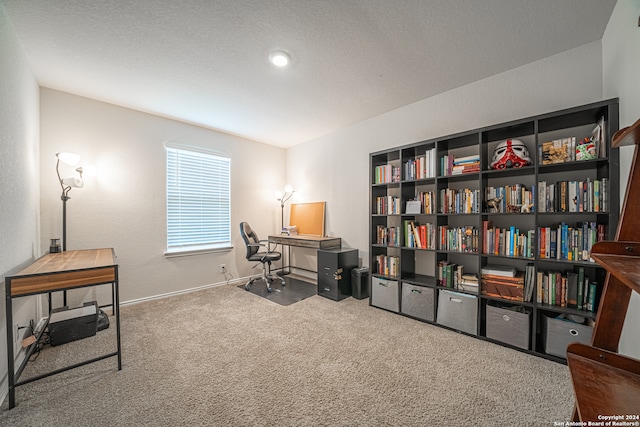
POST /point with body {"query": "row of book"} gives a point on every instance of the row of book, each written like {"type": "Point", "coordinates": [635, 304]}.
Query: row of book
{"type": "Point", "coordinates": [451, 165]}
{"type": "Point", "coordinates": [419, 236]}
{"type": "Point", "coordinates": [572, 289]}
{"type": "Point", "coordinates": [573, 196]}
{"type": "Point", "coordinates": [389, 236]}
{"type": "Point", "coordinates": [569, 243]}
{"type": "Point", "coordinates": [451, 275]}
{"type": "Point", "coordinates": [458, 239]}
{"type": "Point", "coordinates": [388, 265]}
{"type": "Point", "coordinates": [387, 205]}
{"type": "Point", "coordinates": [427, 202]}
{"type": "Point", "coordinates": [421, 167]}
{"type": "Point", "coordinates": [459, 201]}
{"type": "Point", "coordinates": [509, 198]}
{"type": "Point", "coordinates": [386, 173]}
{"type": "Point", "coordinates": [508, 241]}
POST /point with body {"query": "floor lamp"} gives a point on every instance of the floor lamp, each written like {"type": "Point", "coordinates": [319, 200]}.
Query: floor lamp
{"type": "Point", "coordinates": [67, 184]}
{"type": "Point", "coordinates": [282, 198]}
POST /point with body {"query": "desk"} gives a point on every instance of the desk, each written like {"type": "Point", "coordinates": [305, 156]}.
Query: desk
{"type": "Point", "coordinates": [305, 241]}
{"type": "Point", "coordinates": [59, 272]}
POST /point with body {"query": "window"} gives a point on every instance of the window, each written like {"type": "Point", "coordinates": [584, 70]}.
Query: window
{"type": "Point", "coordinates": [198, 200]}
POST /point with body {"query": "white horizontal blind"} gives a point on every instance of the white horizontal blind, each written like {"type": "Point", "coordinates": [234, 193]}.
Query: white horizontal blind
{"type": "Point", "coordinates": [198, 200]}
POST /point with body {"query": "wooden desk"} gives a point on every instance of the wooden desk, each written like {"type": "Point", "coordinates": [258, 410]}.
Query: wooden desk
{"type": "Point", "coordinates": [304, 241]}
{"type": "Point", "coordinates": [308, 241]}
{"type": "Point", "coordinates": [60, 272]}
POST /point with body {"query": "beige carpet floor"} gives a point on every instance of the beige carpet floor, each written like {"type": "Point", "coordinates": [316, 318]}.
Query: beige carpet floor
{"type": "Point", "coordinates": [226, 357]}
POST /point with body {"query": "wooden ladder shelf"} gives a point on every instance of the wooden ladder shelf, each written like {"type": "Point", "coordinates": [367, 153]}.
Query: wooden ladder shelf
{"type": "Point", "coordinates": [605, 382]}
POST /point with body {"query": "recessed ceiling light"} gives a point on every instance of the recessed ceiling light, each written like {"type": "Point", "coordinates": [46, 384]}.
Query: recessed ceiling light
{"type": "Point", "coordinates": [279, 58]}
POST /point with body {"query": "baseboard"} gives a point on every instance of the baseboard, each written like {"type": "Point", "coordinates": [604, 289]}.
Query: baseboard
{"type": "Point", "coordinates": [185, 291]}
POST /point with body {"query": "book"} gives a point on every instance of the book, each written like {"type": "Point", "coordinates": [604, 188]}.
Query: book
{"type": "Point", "coordinates": [581, 290]}
{"type": "Point", "coordinates": [499, 270]}
{"type": "Point", "coordinates": [572, 289]}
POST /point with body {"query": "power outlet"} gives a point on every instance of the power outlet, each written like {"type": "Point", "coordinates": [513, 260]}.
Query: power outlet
{"type": "Point", "coordinates": [222, 269]}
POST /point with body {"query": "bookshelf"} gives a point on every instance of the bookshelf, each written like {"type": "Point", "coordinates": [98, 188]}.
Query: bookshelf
{"type": "Point", "coordinates": [466, 216]}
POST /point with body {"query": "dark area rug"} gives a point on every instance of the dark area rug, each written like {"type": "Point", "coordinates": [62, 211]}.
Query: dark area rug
{"type": "Point", "coordinates": [294, 290]}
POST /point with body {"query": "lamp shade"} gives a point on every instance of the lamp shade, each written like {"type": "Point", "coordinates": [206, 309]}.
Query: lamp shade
{"type": "Point", "coordinates": [69, 158]}
{"type": "Point", "coordinates": [73, 181]}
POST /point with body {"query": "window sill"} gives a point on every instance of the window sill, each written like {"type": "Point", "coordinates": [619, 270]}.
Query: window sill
{"type": "Point", "coordinates": [188, 252]}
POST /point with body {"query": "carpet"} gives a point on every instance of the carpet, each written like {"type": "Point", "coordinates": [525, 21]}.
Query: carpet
{"type": "Point", "coordinates": [223, 357]}
{"type": "Point", "coordinates": [295, 290]}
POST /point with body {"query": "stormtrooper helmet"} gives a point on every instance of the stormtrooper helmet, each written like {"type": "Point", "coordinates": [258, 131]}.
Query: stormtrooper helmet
{"type": "Point", "coordinates": [511, 153]}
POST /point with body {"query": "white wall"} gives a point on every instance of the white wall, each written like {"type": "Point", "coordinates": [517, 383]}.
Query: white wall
{"type": "Point", "coordinates": [124, 207]}
{"type": "Point", "coordinates": [335, 167]}
{"type": "Point", "coordinates": [621, 65]}
{"type": "Point", "coordinates": [19, 171]}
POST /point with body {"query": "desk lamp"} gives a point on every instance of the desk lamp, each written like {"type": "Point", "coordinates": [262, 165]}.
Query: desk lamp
{"type": "Point", "coordinates": [282, 198]}
{"type": "Point", "coordinates": [68, 183]}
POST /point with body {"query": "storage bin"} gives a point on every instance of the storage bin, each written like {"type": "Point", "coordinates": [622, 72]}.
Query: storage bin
{"type": "Point", "coordinates": [509, 326]}
{"type": "Point", "coordinates": [385, 294]}
{"type": "Point", "coordinates": [458, 311]}
{"type": "Point", "coordinates": [559, 332]}
{"type": "Point", "coordinates": [418, 301]}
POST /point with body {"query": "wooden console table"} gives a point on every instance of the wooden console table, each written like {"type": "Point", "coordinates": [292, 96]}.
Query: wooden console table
{"type": "Point", "coordinates": [59, 272]}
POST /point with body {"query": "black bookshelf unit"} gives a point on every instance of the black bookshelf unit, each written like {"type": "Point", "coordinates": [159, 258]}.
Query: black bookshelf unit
{"type": "Point", "coordinates": [450, 223]}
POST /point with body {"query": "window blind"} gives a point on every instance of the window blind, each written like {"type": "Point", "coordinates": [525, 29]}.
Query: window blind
{"type": "Point", "coordinates": [198, 200]}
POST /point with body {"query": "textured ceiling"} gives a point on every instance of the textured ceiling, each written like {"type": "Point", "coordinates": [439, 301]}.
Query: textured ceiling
{"type": "Point", "coordinates": [206, 61]}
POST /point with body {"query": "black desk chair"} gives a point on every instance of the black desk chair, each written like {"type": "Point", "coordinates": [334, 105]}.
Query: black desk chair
{"type": "Point", "coordinates": [254, 244]}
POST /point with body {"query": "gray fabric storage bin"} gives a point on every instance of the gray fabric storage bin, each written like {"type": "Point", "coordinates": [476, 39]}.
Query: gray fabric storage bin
{"type": "Point", "coordinates": [558, 333]}
{"type": "Point", "coordinates": [418, 301]}
{"type": "Point", "coordinates": [385, 294]}
{"type": "Point", "coordinates": [508, 326]}
{"type": "Point", "coordinates": [458, 311]}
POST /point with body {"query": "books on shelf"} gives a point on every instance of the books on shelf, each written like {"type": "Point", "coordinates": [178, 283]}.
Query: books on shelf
{"type": "Point", "coordinates": [569, 243]}
{"type": "Point", "coordinates": [458, 201]}
{"type": "Point", "coordinates": [386, 173]}
{"type": "Point", "coordinates": [449, 274]}
{"type": "Point", "coordinates": [451, 165]}
{"type": "Point", "coordinates": [387, 205]}
{"type": "Point", "coordinates": [469, 283]}
{"type": "Point", "coordinates": [508, 241]}
{"type": "Point", "coordinates": [458, 239]}
{"type": "Point", "coordinates": [388, 265]}
{"type": "Point", "coordinates": [571, 289]}
{"type": "Point", "coordinates": [424, 203]}
{"type": "Point", "coordinates": [419, 236]}
{"type": "Point", "coordinates": [499, 270]}
{"type": "Point", "coordinates": [388, 236]}
{"type": "Point", "coordinates": [421, 167]}
{"type": "Point", "coordinates": [573, 196]}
